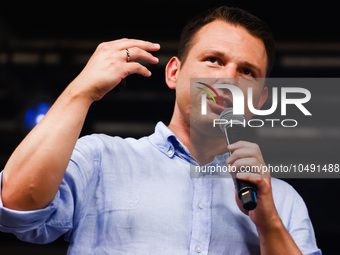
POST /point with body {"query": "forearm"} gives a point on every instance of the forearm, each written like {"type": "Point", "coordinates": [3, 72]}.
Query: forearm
{"type": "Point", "coordinates": [275, 239]}
{"type": "Point", "coordinates": [34, 172]}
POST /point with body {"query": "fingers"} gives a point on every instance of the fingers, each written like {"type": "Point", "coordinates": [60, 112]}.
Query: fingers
{"type": "Point", "coordinates": [242, 150]}
{"type": "Point", "coordinates": [248, 164]}
{"type": "Point", "coordinates": [252, 177]}
{"type": "Point", "coordinates": [139, 53]}
{"type": "Point", "coordinates": [111, 62]}
{"type": "Point", "coordinates": [137, 68]}
{"type": "Point", "coordinates": [241, 144]}
{"type": "Point", "coordinates": [247, 157]}
{"type": "Point", "coordinates": [129, 43]}
{"type": "Point", "coordinates": [138, 50]}
{"type": "Point", "coordinates": [134, 67]}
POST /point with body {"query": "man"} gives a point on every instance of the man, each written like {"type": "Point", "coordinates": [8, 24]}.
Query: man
{"type": "Point", "coordinates": [123, 196]}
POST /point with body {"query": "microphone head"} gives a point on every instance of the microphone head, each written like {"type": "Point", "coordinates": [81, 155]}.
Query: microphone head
{"type": "Point", "coordinates": [228, 119]}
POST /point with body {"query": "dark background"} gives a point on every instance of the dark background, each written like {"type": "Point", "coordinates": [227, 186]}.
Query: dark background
{"type": "Point", "coordinates": [44, 46]}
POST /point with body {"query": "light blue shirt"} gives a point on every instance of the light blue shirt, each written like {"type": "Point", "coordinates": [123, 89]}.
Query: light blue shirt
{"type": "Point", "coordinates": [127, 196]}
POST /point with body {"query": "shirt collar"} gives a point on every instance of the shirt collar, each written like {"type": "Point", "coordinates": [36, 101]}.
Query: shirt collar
{"type": "Point", "coordinates": [166, 141]}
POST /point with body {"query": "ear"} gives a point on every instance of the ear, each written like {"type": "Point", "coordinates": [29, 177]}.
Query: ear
{"type": "Point", "coordinates": [172, 71]}
{"type": "Point", "coordinates": [263, 97]}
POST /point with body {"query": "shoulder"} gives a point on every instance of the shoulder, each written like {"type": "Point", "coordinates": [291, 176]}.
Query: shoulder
{"type": "Point", "coordinates": [98, 144]}
{"type": "Point", "coordinates": [97, 140]}
{"type": "Point", "coordinates": [284, 194]}
{"type": "Point", "coordinates": [281, 187]}
{"type": "Point", "coordinates": [288, 202]}
{"type": "Point", "coordinates": [294, 215]}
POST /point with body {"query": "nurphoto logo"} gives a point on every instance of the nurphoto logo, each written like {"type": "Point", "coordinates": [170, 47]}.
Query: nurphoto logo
{"type": "Point", "coordinates": [239, 103]}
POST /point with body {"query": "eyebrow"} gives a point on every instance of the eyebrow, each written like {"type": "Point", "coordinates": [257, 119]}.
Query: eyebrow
{"type": "Point", "coordinates": [213, 52]}
{"type": "Point", "coordinates": [251, 66]}
{"type": "Point", "coordinates": [243, 63]}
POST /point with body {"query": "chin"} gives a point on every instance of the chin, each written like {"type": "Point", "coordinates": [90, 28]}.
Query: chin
{"type": "Point", "coordinates": [203, 124]}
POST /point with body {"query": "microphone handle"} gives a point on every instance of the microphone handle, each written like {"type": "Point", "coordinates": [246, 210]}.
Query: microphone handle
{"type": "Point", "coordinates": [246, 191]}
{"type": "Point", "coordinates": [247, 194]}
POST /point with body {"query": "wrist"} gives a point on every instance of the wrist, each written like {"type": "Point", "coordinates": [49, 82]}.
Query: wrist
{"type": "Point", "coordinates": [75, 93]}
{"type": "Point", "coordinates": [275, 239]}
{"type": "Point", "coordinates": [272, 226]}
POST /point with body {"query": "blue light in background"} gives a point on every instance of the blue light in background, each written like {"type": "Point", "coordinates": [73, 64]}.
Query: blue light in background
{"type": "Point", "coordinates": [35, 114]}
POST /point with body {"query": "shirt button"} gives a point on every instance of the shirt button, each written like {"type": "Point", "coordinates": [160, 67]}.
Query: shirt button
{"type": "Point", "coordinates": [201, 206]}
{"type": "Point", "coordinates": [198, 249]}
{"type": "Point", "coordinates": [170, 152]}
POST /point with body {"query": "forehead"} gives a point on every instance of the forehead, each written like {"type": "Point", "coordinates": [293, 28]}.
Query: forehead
{"type": "Point", "coordinates": [232, 40]}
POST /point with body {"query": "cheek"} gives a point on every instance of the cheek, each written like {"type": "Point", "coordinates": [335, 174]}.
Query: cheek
{"type": "Point", "coordinates": [187, 94]}
{"type": "Point", "coordinates": [183, 95]}
{"type": "Point", "coordinates": [183, 85]}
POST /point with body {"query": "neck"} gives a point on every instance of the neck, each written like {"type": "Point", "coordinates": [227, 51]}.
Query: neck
{"type": "Point", "coordinates": [202, 147]}
{"type": "Point", "coordinates": [205, 148]}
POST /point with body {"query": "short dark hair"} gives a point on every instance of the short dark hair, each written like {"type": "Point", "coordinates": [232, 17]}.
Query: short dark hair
{"type": "Point", "coordinates": [234, 16]}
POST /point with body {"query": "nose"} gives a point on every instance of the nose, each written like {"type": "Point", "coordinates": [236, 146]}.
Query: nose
{"type": "Point", "coordinates": [228, 75]}
{"type": "Point", "coordinates": [229, 71]}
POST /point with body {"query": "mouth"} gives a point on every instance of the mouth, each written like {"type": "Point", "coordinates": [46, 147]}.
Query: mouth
{"type": "Point", "coordinates": [217, 108]}
{"type": "Point", "coordinates": [217, 103]}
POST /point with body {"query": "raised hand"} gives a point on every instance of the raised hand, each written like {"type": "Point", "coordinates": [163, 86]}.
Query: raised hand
{"type": "Point", "coordinates": [110, 64]}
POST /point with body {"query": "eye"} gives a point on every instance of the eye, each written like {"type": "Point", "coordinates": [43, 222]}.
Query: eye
{"type": "Point", "coordinates": [248, 72]}
{"type": "Point", "coordinates": [213, 60]}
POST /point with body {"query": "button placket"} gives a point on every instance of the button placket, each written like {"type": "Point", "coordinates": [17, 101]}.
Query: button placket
{"type": "Point", "coordinates": [201, 228]}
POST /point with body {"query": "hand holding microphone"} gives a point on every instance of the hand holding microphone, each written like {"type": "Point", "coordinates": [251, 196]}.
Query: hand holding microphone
{"type": "Point", "coordinates": [234, 129]}
{"type": "Point", "coordinates": [253, 190]}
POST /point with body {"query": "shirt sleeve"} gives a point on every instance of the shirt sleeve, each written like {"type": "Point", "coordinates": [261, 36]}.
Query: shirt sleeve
{"type": "Point", "coordinates": [47, 224]}
{"type": "Point", "coordinates": [301, 228]}
{"type": "Point", "coordinates": [295, 217]}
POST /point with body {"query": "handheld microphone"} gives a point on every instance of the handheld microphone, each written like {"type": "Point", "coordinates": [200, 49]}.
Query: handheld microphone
{"type": "Point", "coordinates": [234, 128]}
